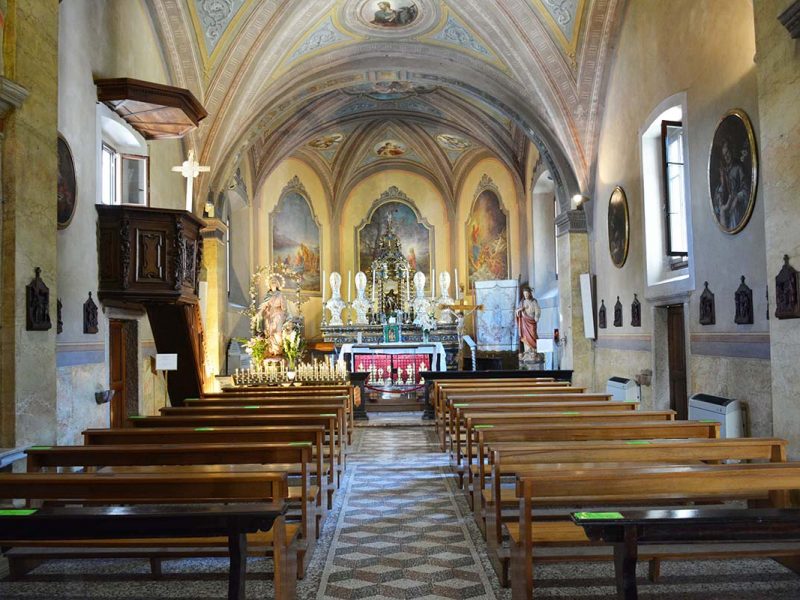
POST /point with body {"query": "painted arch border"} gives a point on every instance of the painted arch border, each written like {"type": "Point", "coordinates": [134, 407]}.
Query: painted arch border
{"type": "Point", "coordinates": [393, 194]}
{"type": "Point", "coordinates": [487, 184]}
{"type": "Point", "coordinates": [295, 186]}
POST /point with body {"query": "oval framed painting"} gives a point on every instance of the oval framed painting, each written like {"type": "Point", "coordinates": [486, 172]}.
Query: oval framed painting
{"type": "Point", "coordinates": [67, 192]}
{"type": "Point", "coordinates": [619, 230]}
{"type": "Point", "coordinates": [733, 171]}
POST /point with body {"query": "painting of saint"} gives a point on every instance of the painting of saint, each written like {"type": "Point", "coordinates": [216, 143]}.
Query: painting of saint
{"type": "Point", "coordinates": [390, 148]}
{"type": "Point", "coordinates": [295, 239]}
{"type": "Point", "coordinates": [733, 171]}
{"type": "Point", "coordinates": [66, 195]}
{"type": "Point", "coordinates": [452, 142]}
{"type": "Point", "coordinates": [415, 237]}
{"type": "Point", "coordinates": [326, 141]}
{"type": "Point", "coordinates": [394, 14]}
{"type": "Point", "coordinates": [487, 238]}
{"type": "Point", "coordinates": [618, 227]}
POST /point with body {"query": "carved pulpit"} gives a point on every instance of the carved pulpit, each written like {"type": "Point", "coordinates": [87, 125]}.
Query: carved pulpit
{"type": "Point", "coordinates": [150, 259]}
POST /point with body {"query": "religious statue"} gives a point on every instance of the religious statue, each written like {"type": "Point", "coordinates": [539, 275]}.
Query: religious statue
{"type": "Point", "coordinates": [707, 307]}
{"type": "Point", "coordinates": [423, 313]}
{"type": "Point", "coordinates": [272, 315]}
{"type": "Point", "coordinates": [361, 305]}
{"type": "Point", "coordinates": [528, 313]}
{"type": "Point", "coordinates": [335, 305]}
{"type": "Point", "coordinates": [744, 304]}
{"type": "Point", "coordinates": [446, 315]}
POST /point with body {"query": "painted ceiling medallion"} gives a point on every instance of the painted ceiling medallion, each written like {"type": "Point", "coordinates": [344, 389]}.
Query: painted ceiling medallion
{"type": "Point", "coordinates": [389, 18]}
{"type": "Point", "coordinates": [399, 13]}
{"type": "Point", "coordinates": [326, 142]}
{"type": "Point", "coordinates": [390, 148]}
{"type": "Point", "coordinates": [453, 142]}
{"type": "Point", "coordinates": [385, 91]}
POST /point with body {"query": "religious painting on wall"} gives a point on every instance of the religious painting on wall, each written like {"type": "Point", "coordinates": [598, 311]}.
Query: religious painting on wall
{"type": "Point", "coordinates": [295, 237]}
{"type": "Point", "coordinates": [618, 227]}
{"type": "Point", "coordinates": [487, 236]}
{"type": "Point", "coordinates": [66, 191]}
{"type": "Point", "coordinates": [325, 142]}
{"type": "Point", "coordinates": [390, 148]}
{"type": "Point", "coordinates": [496, 325]}
{"type": "Point", "coordinates": [733, 171]}
{"type": "Point", "coordinates": [415, 235]}
{"type": "Point", "coordinates": [453, 142]}
{"type": "Point", "coordinates": [390, 15]}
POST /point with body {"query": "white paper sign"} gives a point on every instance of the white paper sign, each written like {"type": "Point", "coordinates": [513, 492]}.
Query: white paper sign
{"type": "Point", "coordinates": [544, 345]}
{"type": "Point", "coordinates": [166, 362]}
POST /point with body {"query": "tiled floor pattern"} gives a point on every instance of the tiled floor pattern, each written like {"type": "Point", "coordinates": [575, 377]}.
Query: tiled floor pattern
{"type": "Point", "coordinates": [400, 529]}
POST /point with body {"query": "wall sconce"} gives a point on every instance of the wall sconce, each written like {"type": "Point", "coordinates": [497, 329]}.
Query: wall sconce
{"type": "Point", "coordinates": [578, 201]}
{"type": "Point", "coordinates": [103, 396]}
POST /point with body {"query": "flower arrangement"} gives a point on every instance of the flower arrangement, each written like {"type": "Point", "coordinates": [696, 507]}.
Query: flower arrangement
{"type": "Point", "coordinates": [293, 347]}
{"type": "Point", "coordinates": [256, 346]}
{"type": "Point", "coordinates": [426, 321]}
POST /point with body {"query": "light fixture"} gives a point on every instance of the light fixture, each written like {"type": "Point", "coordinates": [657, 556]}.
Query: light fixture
{"type": "Point", "coordinates": [578, 200]}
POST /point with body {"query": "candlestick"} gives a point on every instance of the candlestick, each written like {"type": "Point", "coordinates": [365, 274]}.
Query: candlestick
{"type": "Point", "coordinates": [408, 286]}
{"type": "Point", "coordinates": [433, 284]}
{"type": "Point", "coordinates": [456, 284]}
{"type": "Point", "coordinates": [349, 283]}
{"type": "Point", "coordinates": [373, 286]}
{"type": "Point", "coordinates": [323, 289]}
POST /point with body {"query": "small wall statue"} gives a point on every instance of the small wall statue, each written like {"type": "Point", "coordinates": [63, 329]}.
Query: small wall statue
{"type": "Point", "coordinates": [618, 313]}
{"type": "Point", "coordinates": [744, 304]}
{"type": "Point", "coordinates": [636, 312]}
{"type": "Point", "coordinates": [601, 315]}
{"type": "Point", "coordinates": [707, 309]}
{"type": "Point", "coordinates": [37, 305]}
{"type": "Point", "coordinates": [787, 297]}
{"type": "Point", "coordinates": [446, 314]}
{"type": "Point", "coordinates": [361, 305]}
{"type": "Point", "coordinates": [90, 322]}
{"type": "Point", "coordinates": [335, 305]}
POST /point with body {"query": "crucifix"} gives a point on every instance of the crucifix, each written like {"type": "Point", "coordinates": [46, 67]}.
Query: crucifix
{"type": "Point", "coordinates": [190, 169]}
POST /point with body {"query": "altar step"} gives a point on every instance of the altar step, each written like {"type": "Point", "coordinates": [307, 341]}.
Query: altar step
{"type": "Point", "coordinates": [387, 403]}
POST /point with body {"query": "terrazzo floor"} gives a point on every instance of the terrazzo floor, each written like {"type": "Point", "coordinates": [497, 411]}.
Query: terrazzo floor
{"type": "Point", "coordinates": [398, 533]}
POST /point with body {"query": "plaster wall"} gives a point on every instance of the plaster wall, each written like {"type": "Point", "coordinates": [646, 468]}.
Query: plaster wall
{"type": "Point", "coordinates": [100, 40]}
{"type": "Point", "coordinates": [778, 89]}
{"type": "Point", "coordinates": [707, 52]}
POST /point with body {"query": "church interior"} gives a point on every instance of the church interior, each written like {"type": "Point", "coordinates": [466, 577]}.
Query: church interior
{"type": "Point", "coordinates": [410, 299]}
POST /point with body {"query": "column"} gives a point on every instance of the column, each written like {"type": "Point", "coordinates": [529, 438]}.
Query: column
{"type": "Point", "coordinates": [215, 300]}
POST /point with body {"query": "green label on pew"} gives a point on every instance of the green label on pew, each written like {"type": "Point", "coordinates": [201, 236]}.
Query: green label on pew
{"type": "Point", "coordinates": [136, 417]}
{"type": "Point", "coordinates": [482, 426]}
{"type": "Point", "coordinates": [460, 405]}
{"type": "Point", "coordinates": [40, 448]}
{"type": "Point", "coordinates": [709, 421]}
{"type": "Point", "coordinates": [18, 512]}
{"type": "Point", "coordinates": [251, 407]}
{"type": "Point", "coordinates": [204, 429]}
{"type": "Point", "coordinates": [299, 443]}
{"type": "Point", "coordinates": [570, 412]}
{"type": "Point", "coordinates": [191, 399]}
{"type": "Point", "coordinates": [637, 442]}
{"type": "Point", "coordinates": [328, 415]}
{"type": "Point", "coordinates": [600, 516]}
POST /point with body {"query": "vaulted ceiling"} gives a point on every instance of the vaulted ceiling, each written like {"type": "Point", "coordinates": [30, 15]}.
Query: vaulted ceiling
{"type": "Point", "coordinates": [443, 82]}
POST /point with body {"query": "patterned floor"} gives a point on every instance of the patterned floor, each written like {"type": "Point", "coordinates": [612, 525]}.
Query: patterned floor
{"type": "Point", "coordinates": [397, 533]}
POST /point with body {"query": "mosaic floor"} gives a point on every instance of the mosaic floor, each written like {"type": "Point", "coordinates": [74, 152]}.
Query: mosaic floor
{"type": "Point", "coordinates": [398, 533]}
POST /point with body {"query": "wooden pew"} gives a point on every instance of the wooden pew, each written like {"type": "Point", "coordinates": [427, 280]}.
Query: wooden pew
{"type": "Point", "coordinates": [184, 489]}
{"type": "Point", "coordinates": [653, 485]}
{"type": "Point", "coordinates": [491, 505]}
{"type": "Point", "coordinates": [293, 458]}
{"type": "Point", "coordinates": [625, 530]}
{"type": "Point", "coordinates": [225, 435]}
{"type": "Point", "coordinates": [331, 420]}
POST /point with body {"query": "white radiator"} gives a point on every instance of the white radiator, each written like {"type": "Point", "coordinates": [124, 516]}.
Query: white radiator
{"type": "Point", "coordinates": [726, 411]}
{"type": "Point", "coordinates": [622, 389]}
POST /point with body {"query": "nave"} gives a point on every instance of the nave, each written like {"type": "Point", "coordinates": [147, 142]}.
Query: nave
{"type": "Point", "coordinates": [401, 529]}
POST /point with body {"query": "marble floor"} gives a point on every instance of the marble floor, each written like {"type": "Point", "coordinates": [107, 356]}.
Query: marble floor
{"type": "Point", "coordinates": [398, 533]}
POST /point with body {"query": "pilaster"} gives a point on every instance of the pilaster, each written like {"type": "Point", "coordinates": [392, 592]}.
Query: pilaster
{"type": "Point", "coordinates": [216, 297]}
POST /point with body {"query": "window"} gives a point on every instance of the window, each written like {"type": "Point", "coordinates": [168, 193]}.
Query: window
{"type": "Point", "coordinates": [674, 204]}
{"type": "Point", "coordinates": [125, 177]}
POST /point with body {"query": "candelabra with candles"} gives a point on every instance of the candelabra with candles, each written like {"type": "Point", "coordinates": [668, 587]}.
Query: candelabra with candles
{"type": "Point", "coordinates": [308, 373]}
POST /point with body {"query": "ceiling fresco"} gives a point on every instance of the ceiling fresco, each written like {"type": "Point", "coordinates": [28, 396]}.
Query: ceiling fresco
{"type": "Point", "coordinates": [276, 75]}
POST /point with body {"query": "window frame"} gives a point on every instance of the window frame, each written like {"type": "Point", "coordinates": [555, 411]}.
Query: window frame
{"type": "Point", "coordinates": [680, 256]}
{"type": "Point", "coordinates": [121, 158]}
{"type": "Point", "coordinates": [106, 148]}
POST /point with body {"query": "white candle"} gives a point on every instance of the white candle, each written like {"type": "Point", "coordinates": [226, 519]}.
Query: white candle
{"type": "Point", "coordinates": [349, 283]}
{"type": "Point", "coordinates": [433, 283]}
{"type": "Point", "coordinates": [456, 284]}
{"type": "Point", "coordinates": [408, 286]}
{"type": "Point", "coordinates": [373, 286]}
{"type": "Point", "coordinates": [323, 287]}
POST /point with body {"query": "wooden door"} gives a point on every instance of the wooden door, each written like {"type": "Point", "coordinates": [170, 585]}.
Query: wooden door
{"type": "Point", "coordinates": [676, 341]}
{"type": "Point", "coordinates": [118, 371]}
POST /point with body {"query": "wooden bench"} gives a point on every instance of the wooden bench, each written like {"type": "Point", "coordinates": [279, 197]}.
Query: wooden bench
{"type": "Point", "coordinates": [497, 503]}
{"type": "Point", "coordinates": [599, 487]}
{"type": "Point", "coordinates": [184, 489]}
{"type": "Point", "coordinates": [625, 530]}
{"type": "Point", "coordinates": [295, 459]}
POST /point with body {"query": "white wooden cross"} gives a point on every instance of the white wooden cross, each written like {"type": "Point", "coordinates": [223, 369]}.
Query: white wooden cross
{"type": "Point", "coordinates": [190, 169]}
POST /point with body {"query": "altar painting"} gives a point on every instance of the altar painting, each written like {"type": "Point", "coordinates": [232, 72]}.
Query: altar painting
{"type": "Point", "coordinates": [415, 237]}
{"type": "Point", "coordinates": [295, 239]}
{"type": "Point", "coordinates": [487, 238]}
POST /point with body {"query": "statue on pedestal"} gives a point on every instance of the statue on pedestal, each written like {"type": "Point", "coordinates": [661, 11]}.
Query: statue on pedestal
{"type": "Point", "coordinates": [361, 305]}
{"type": "Point", "coordinates": [446, 314]}
{"type": "Point", "coordinates": [272, 315]}
{"type": "Point", "coordinates": [423, 309]}
{"type": "Point", "coordinates": [528, 313]}
{"type": "Point", "coordinates": [336, 305]}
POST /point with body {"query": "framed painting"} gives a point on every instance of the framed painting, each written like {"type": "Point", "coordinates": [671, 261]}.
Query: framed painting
{"type": "Point", "coordinates": [393, 210]}
{"type": "Point", "coordinates": [733, 171]}
{"type": "Point", "coordinates": [487, 236]}
{"type": "Point", "coordinates": [295, 236]}
{"type": "Point", "coordinates": [619, 227]}
{"type": "Point", "coordinates": [67, 186]}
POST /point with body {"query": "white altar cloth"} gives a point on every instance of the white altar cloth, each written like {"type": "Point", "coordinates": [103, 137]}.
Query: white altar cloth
{"type": "Point", "coordinates": [432, 348]}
